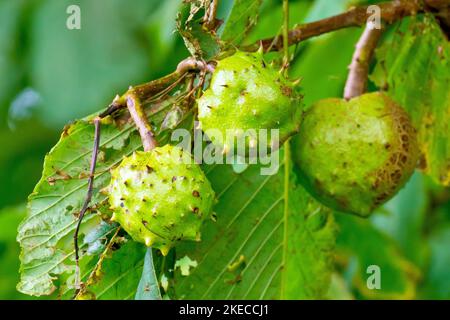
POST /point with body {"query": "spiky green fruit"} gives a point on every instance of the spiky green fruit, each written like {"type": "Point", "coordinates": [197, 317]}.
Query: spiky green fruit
{"type": "Point", "coordinates": [160, 197]}
{"type": "Point", "coordinates": [247, 94]}
{"type": "Point", "coordinates": [355, 155]}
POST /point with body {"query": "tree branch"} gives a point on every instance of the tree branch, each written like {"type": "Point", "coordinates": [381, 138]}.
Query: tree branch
{"type": "Point", "coordinates": [356, 17]}
{"type": "Point", "coordinates": [356, 83]}
{"type": "Point", "coordinates": [437, 4]}
{"type": "Point", "coordinates": [144, 91]}
{"type": "Point", "coordinates": [98, 265]}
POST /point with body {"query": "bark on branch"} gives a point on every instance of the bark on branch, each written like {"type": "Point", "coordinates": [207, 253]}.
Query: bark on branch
{"type": "Point", "coordinates": [356, 17]}
{"type": "Point", "coordinates": [149, 89]}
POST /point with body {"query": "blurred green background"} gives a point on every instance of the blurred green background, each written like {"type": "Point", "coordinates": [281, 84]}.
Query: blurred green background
{"type": "Point", "coordinates": [50, 75]}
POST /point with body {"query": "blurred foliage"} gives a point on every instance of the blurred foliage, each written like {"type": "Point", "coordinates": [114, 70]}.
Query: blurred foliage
{"type": "Point", "coordinates": [50, 75]}
{"type": "Point", "coordinates": [9, 251]}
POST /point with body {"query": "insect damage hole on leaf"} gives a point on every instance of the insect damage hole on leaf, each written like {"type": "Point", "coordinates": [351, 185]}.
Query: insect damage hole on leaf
{"type": "Point", "coordinates": [185, 264]}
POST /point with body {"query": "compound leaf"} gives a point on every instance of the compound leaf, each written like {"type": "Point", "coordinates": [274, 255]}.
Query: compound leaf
{"type": "Point", "coordinates": [44, 235]}
{"type": "Point", "coordinates": [271, 240]}
{"type": "Point", "coordinates": [414, 68]}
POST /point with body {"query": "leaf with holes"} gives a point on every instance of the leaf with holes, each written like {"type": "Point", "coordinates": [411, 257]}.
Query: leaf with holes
{"type": "Point", "coordinates": [46, 234]}
{"type": "Point", "coordinates": [119, 275]}
{"type": "Point", "coordinates": [242, 18]}
{"type": "Point", "coordinates": [271, 241]}
{"type": "Point", "coordinates": [200, 41]}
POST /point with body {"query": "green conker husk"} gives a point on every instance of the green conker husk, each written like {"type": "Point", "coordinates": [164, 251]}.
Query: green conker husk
{"type": "Point", "coordinates": [355, 155]}
{"type": "Point", "coordinates": [160, 197]}
{"type": "Point", "coordinates": [246, 93]}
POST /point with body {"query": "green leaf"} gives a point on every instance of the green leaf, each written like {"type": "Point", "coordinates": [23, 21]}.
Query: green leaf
{"type": "Point", "coordinates": [148, 288]}
{"type": "Point", "coordinates": [201, 42]}
{"type": "Point", "coordinates": [414, 67]}
{"type": "Point", "coordinates": [437, 282]}
{"type": "Point", "coordinates": [359, 240]}
{"type": "Point", "coordinates": [271, 240]}
{"type": "Point", "coordinates": [96, 239]}
{"type": "Point", "coordinates": [10, 218]}
{"type": "Point", "coordinates": [166, 49]}
{"type": "Point", "coordinates": [120, 274]}
{"type": "Point", "coordinates": [403, 218]}
{"type": "Point", "coordinates": [339, 290]}
{"type": "Point", "coordinates": [240, 21]}
{"type": "Point", "coordinates": [45, 234]}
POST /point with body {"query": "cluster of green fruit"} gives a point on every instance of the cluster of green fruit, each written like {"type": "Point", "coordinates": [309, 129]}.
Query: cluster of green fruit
{"type": "Point", "coordinates": [352, 155]}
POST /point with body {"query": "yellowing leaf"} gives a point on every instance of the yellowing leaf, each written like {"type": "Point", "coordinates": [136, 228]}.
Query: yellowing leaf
{"type": "Point", "coordinates": [415, 69]}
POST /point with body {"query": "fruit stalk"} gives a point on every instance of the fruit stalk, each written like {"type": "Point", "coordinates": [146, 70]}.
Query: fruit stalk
{"type": "Point", "coordinates": [356, 83]}
{"type": "Point", "coordinates": [149, 143]}
{"type": "Point", "coordinates": [140, 120]}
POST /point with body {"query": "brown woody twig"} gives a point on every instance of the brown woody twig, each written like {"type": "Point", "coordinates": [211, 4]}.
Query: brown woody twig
{"type": "Point", "coordinates": [147, 90]}
{"type": "Point", "coordinates": [356, 17]}
{"type": "Point", "coordinates": [210, 21]}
